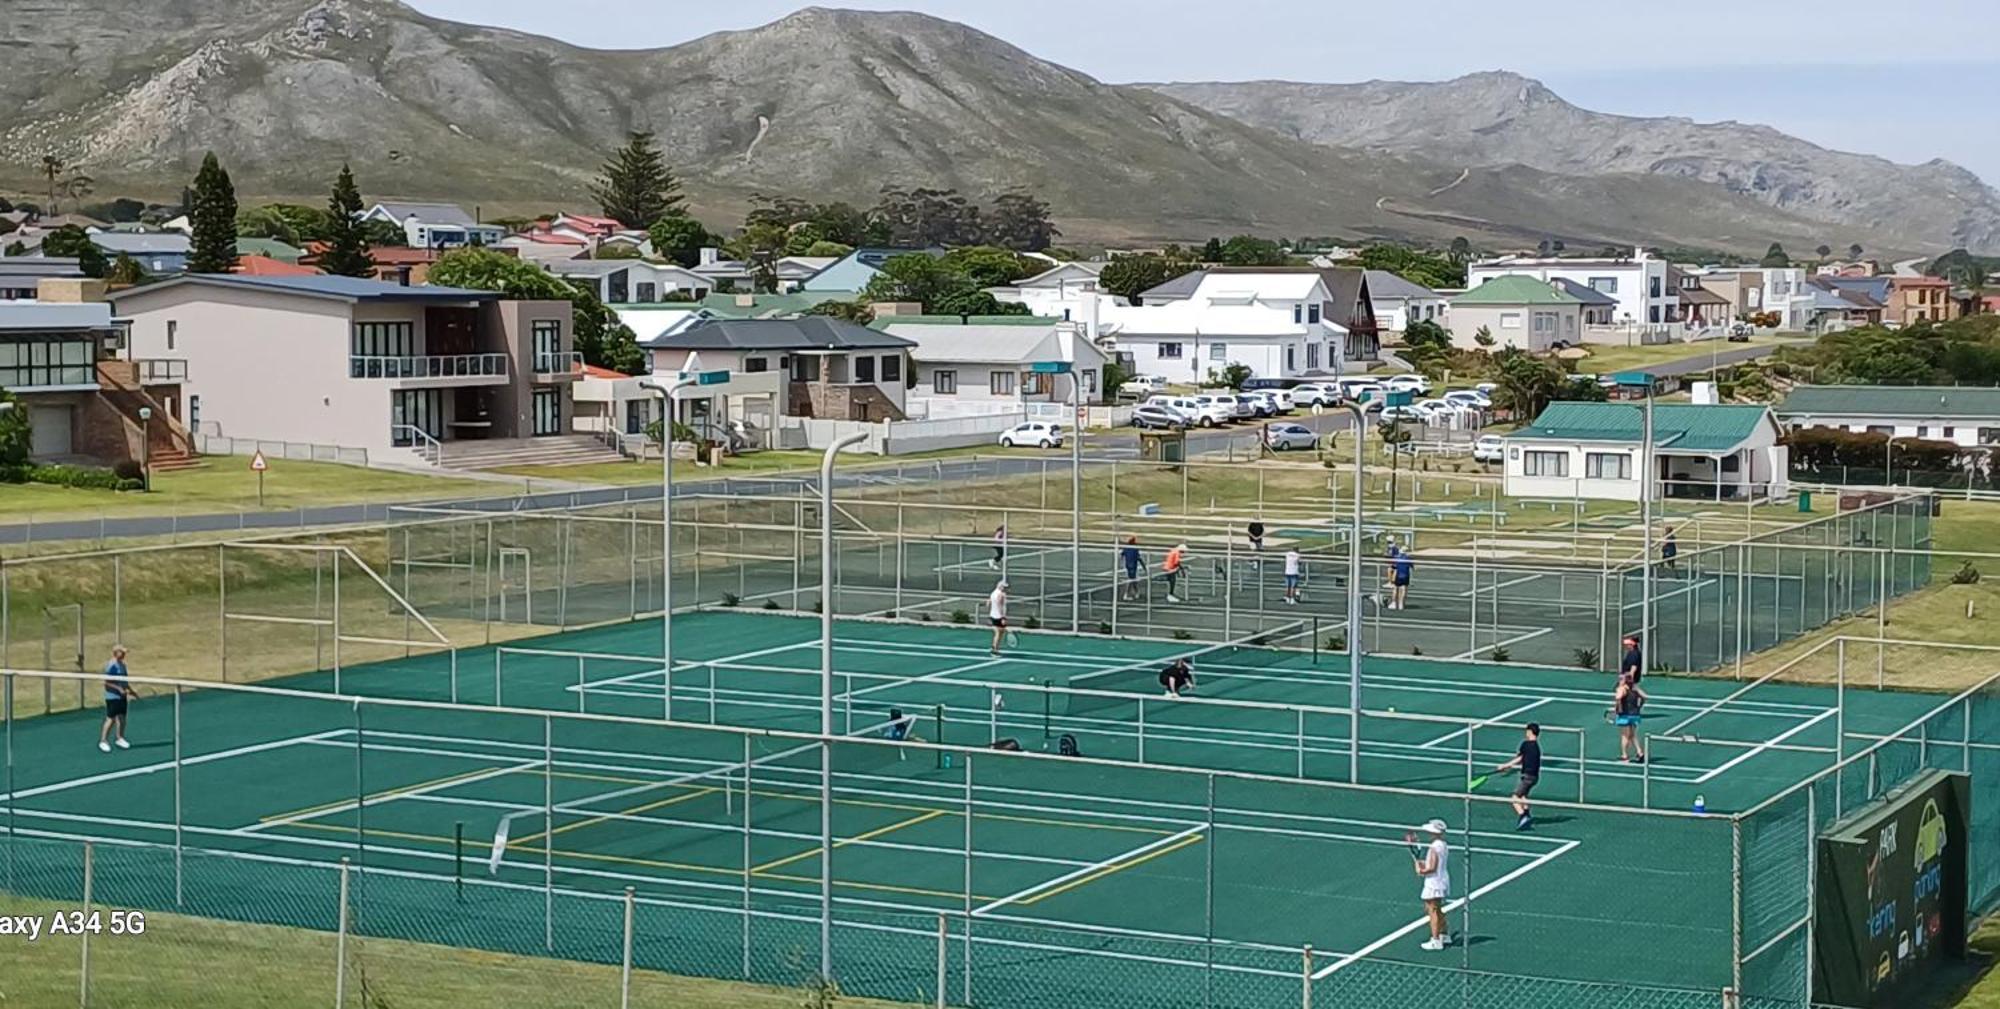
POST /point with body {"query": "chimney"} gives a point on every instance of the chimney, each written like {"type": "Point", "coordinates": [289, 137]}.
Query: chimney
{"type": "Point", "coordinates": [709, 255]}
{"type": "Point", "coordinates": [1086, 315]}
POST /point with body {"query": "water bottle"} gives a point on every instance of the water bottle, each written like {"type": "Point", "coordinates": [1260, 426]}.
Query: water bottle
{"type": "Point", "coordinates": [1700, 804]}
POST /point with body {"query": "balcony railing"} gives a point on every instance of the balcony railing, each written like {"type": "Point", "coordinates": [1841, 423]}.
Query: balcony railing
{"type": "Point", "coordinates": [161, 370]}
{"type": "Point", "coordinates": [558, 363]}
{"type": "Point", "coordinates": [445, 366]}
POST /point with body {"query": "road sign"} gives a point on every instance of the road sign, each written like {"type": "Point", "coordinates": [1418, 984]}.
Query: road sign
{"type": "Point", "coordinates": [258, 464]}
{"type": "Point", "coordinates": [1398, 397]}
{"type": "Point", "coordinates": [712, 378]}
{"type": "Point", "coordinates": [1051, 367]}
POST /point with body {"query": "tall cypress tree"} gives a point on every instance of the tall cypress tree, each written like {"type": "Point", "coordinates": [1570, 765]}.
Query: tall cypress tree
{"type": "Point", "coordinates": [346, 252]}
{"type": "Point", "coordinates": [213, 219]}
{"type": "Point", "coordinates": [635, 186]}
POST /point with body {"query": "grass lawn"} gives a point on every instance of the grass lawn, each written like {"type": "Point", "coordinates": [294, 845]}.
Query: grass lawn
{"type": "Point", "coordinates": [648, 471]}
{"type": "Point", "coordinates": [1985, 991]}
{"type": "Point", "coordinates": [1607, 359]}
{"type": "Point", "coordinates": [186, 961]}
{"type": "Point", "coordinates": [226, 483]}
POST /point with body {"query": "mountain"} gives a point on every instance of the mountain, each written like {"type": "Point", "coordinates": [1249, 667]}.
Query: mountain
{"type": "Point", "coordinates": [1486, 120]}
{"type": "Point", "coordinates": [822, 104]}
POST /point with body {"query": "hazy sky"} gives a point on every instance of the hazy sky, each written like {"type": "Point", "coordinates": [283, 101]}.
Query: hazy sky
{"type": "Point", "coordinates": [1909, 81]}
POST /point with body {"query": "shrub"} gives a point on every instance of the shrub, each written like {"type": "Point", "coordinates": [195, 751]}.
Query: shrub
{"type": "Point", "coordinates": [1103, 627]}
{"type": "Point", "coordinates": [1501, 654]}
{"type": "Point", "coordinates": [731, 599]}
{"type": "Point", "coordinates": [816, 606]}
{"type": "Point", "coordinates": [1965, 575]}
{"type": "Point", "coordinates": [770, 604]}
{"type": "Point", "coordinates": [128, 469]}
{"type": "Point", "coordinates": [1032, 624]}
{"type": "Point", "coordinates": [1585, 658]}
{"type": "Point", "coordinates": [925, 617]}
{"type": "Point", "coordinates": [84, 477]}
{"type": "Point", "coordinates": [1416, 650]}
{"type": "Point", "coordinates": [1335, 643]}
{"type": "Point", "coordinates": [1181, 634]}
{"type": "Point", "coordinates": [961, 617]}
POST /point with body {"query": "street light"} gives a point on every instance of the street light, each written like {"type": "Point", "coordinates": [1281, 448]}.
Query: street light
{"type": "Point", "coordinates": [667, 391]}
{"type": "Point", "coordinates": [1075, 486]}
{"type": "Point", "coordinates": [1647, 473]}
{"type": "Point", "coordinates": [1354, 594]}
{"type": "Point", "coordinates": [826, 697]}
{"type": "Point", "coordinates": [145, 448]}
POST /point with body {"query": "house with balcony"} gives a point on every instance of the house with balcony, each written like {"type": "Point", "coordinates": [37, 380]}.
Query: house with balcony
{"type": "Point", "coordinates": [816, 367]}
{"type": "Point", "coordinates": [21, 276]}
{"type": "Point", "coordinates": [1648, 304]}
{"type": "Point", "coordinates": [985, 364]}
{"type": "Point", "coordinates": [1398, 302]}
{"type": "Point", "coordinates": [435, 225]}
{"type": "Point", "coordinates": [1056, 290]}
{"type": "Point", "coordinates": [1919, 299]}
{"type": "Point", "coordinates": [59, 358]}
{"type": "Point", "coordinates": [408, 374]}
{"type": "Point", "coordinates": [1346, 307]}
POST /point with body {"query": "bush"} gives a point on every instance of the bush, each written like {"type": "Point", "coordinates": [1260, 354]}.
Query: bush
{"type": "Point", "coordinates": [925, 617]}
{"type": "Point", "coordinates": [1416, 650]}
{"type": "Point", "coordinates": [84, 477]}
{"type": "Point", "coordinates": [1335, 643]}
{"type": "Point", "coordinates": [1104, 627]}
{"type": "Point", "coordinates": [961, 617]}
{"type": "Point", "coordinates": [731, 599]}
{"type": "Point", "coordinates": [1182, 635]}
{"type": "Point", "coordinates": [1032, 624]}
{"type": "Point", "coordinates": [1966, 575]}
{"type": "Point", "coordinates": [770, 604]}
{"type": "Point", "coordinates": [1501, 654]}
{"type": "Point", "coordinates": [128, 469]}
{"type": "Point", "coordinates": [1585, 658]}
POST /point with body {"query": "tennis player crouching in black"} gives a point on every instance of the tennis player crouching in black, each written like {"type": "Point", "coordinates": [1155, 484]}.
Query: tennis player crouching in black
{"type": "Point", "coordinates": [1178, 677]}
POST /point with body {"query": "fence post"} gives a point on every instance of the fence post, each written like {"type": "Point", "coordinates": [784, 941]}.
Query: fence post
{"type": "Point", "coordinates": [83, 973]}
{"type": "Point", "coordinates": [548, 835]}
{"type": "Point", "coordinates": [1736, 901]}
{"type": "Point", "coordinates": [942, 935]}
{"type": "Point", "coordinates": [340, 943]}
{"type": "Point", "coordinates": [1306, 980]}
{"type": "Point", "coordinates": [625, 969]}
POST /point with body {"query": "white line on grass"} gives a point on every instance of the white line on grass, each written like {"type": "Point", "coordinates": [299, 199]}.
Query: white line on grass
{"type": "Point", "coordinates": [1766, 744]}
{"type": "Point", "coordinates": [1351, 958]}
{"type": "Point", "coordinates": [1108, 863]}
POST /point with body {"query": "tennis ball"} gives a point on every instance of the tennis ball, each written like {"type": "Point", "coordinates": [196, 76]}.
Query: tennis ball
{"type": "Point", "coordinates": [1392, 711]}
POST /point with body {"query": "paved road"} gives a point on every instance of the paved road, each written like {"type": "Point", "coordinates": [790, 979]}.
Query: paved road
{"type": "Point", "coordinates": [1703, 362]}
{"type": "Point", "coordinates": [1119, 445]}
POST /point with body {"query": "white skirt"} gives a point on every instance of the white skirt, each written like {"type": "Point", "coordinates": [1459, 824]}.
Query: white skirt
{"type": "Point", "coordinates": [1436, 890]}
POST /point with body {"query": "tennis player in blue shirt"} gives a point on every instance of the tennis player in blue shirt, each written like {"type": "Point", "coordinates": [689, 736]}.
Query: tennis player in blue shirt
{"type": "Point", "coordinates": [117, 696]}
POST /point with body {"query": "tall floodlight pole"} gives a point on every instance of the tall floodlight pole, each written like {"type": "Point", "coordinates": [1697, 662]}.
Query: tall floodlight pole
{"type": "Point", "coordinates": [1076, 501]}
{"type": "Point", "coordinates": [1648, 474]}
{"type": "Point", "coordinates": [1354, 597]}
{"type": "Point", "coordinates": [668, 390]}
{"type": "Point", "coordinates": [826, 699]}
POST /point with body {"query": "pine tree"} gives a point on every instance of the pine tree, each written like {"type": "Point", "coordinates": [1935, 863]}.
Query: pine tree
{"type": "Point", "coordinates": [213, 218]}
{"type": "Point", "coordinates": [635, 186]}
{"type": "Point", "coordinates": [346, 252]}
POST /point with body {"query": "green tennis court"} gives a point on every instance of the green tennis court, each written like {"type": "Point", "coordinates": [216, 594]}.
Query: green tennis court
{"type": "Point", "coordinates": [1191, 852]}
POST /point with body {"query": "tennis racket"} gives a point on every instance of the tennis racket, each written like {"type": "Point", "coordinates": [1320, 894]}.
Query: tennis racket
{"type": "Point", "coordinates": [1013, 639]}
{"type": "Point", "coordinates": [1410, 839]}
{"type": "Point", "coordinates": [1474, 784]}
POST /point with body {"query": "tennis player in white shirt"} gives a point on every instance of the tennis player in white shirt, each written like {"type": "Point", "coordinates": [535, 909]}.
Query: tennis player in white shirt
{"type": "Point", "coordinates": [1433, 868]}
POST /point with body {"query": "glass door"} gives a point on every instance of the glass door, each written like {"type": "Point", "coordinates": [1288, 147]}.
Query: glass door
{"type": "Point", "coordinates": [548, 411]}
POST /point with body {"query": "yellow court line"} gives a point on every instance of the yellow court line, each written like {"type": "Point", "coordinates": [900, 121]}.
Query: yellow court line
{"type": "Point", "coordinates": [378, 796]}
{"type": "Point", "coordinates": [844, 842]}
{"type": "Point", "coordinates": [1114, 867]}
{"type": "Point", "coordinates": [620, 814]}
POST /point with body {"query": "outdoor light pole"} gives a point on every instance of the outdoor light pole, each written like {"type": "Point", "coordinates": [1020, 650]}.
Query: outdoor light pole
{"type": "Point", "coordinates": [1888, 462]}
{"type": "Point", "coordinates": [1648, 473]}
{"type": "Point", "coordinates": [1354, 597]}
{"type": "Point", "coordinates": [667, 391]}
{"type": "Point", "coordinates": [146, 448]}
{"type": "Point", "coordinates": [826, 698]}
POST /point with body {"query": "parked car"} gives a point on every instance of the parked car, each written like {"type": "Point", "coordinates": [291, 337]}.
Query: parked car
{"type": "Point", "coordinates": [1740, 333]}
{"type": "Point", "coordinates": [1039, 433]}
{"type": "Point", "coordinates": [1287, 436]}
{"type": "Point", "coordinates": [1261, 405]}
{"type": "Point", "coordinates": [1238, 409]}
{"type": "Point", "coordinates": [1469, 397]}
{"type": "Point", "coordinates": [1489, 448]}
{"type": "Point", "coordinates": [1316, 394]}
{"type": "Point", "coordinates": [1273, 383]}
{"type": "Point", "coordinates": [1159, 418]}
{"type": "Point", "coordinates": [1489, 388]}
{"type": "Point", "coordinates": [1142, 386]}
{"type": "Point", "coordinates": [1195, 411]}
{"type": "Point", "coordinates": [1406, 414]}
{"type": "Point", "coordinates": [1409, 380]}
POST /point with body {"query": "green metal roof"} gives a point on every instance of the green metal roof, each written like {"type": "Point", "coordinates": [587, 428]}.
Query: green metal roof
{"type": "Point", "coordinates": [954, 320]}
{"type": "Point", "coordinates": [1915, 402]}
{"type": "Point", "coordinates": [1683, 427]}
{"type": "Point", "coordinates": [269, 247]}
{"type": "Point", "coordinates": [1515, 290]}
{"type": "Point", "coordinates": [769, 306]}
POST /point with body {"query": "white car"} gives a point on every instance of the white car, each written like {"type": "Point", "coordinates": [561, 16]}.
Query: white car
{"type": "Point", "coordinates": [1315, 394]}
{"type": "Point", "coordinates": [1197, 413]}
{"type": "Point", "coordinates": [1406, 414]}
{"type": "Point", "coordinates": [1142, 386]}
{"type": "Point", "coordinates": [1446, 410]}
{"type": "Point", "coordinates": [1488, 388]}
{"type": "Point", "coordinates": [1469, 397]}
{"type": "Point", "coordinates": [1284, 437]}
{"type": "Point", "coordinates": [1408, 380]}
{"type": "Point", "coordinates": [1238, 409]}
{"type": "Point", "coordinates": [1039, 433]}
{"type": "Point", "coordinates": [1261, 403]}
{"type": "Point", "coordinates": [1489, 448]}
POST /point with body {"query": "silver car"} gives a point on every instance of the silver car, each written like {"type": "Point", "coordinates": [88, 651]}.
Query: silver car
{"type": "Point", "coordinates": [1285, 437]}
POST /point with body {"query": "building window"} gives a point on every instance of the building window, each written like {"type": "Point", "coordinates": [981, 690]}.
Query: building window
{"type": "Point", "coordinates": [805, 368]}
{"type": "Point", "coordinates": [1312, 313]}
{"type": "Point", "coordinates": [864, 369]}
{"type": "Point", "coordinates": [547, 337]}
{"type": "Point", "coordinates": [1545, 322]}
{"type": "Point", "coordinates": [1604, 285]}
{"type": "Point", "coordinates": [1090, 382]}
{"type": "Point", "coordinates": [1312, 356]}
{"type": "Point", "coordinates": [173, 330]}
{"type": "Point", "coordinates": [944, 383]}
{"type": "Point", "coordinates": [1001, 383]}
{"type": "Point", "coordinates": [1510, 320]}
{"type": "Point", "coordinates": [1545, 464]}
{"type": "Point", "coordinates": [1950, 432]}
{"type": "Point", "coordinates": [1881, 429]}
{"type": "Point", "coordinates": [1653, 287]}
{"type": "Point", "coordinates": [1170, 351]}
{"type": "Point", "coordinates": [892, 368]}
{"type": "Point", "coordinates": [646, 291]}
{"type": "Point", "coordinates": [1298, 314]}
{"type": "Point", "coordinates": [1291, 358]}
{"type": "Point", "coordinates": [754, 364]}
{"type": "Point", "coordinates": [1218, 352]}
{"type": "Point", "coordinates": [1034, 383]}
{"type": "Point", "coordinates": [1653, 314]}
{"type": "Point", "coordinates": [47, 363]}
{"type": "Point", "coordinates": [384, 339]}
{"type": "Point", "coordinates": [1607, 466]}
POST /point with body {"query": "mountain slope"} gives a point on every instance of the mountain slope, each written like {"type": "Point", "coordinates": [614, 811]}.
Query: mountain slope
{"type": "Point", "coordinates": [823, 104]}
{"type": "Point", "coordinates": [1493, 119]}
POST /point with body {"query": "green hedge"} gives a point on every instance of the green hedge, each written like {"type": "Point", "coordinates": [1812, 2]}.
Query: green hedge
{"type": "Point", "coordinates": [86, 477]}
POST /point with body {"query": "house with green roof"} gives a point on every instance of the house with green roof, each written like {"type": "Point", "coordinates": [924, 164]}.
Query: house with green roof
{"type": "Point", "coordinates": [1518, 311]}
{"type": "Point", "coordinates": [769, 306]}
{"type": "Point", "coordinates": [1701, 450]}
{"type": "Point", "coordinates": [1969, 416]}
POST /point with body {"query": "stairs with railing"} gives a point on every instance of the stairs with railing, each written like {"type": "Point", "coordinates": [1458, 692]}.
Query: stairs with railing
{"type": "Point", "coordinates": [166, 444]}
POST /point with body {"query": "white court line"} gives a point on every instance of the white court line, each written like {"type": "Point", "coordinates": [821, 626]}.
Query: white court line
{"type": "Point", "coordinates": [1503, 642]}
{"type": "Point", "coordinates": [1766, 744]}
{"type": "Point", "coordinates": [1014, 554]}
{"type": "Point", "coordinates": [1495, 720]}
{"type": "Point", "coordinates": [1517, 873]}
{"type": "Point", "coordinates": [393, 794]}
{"type": "Point", "coordinates": [167, 765]}
{"type": "Point", "coordinates": [1125, 856]}
{"type": "Point", "coordinates": [1502, 585]}
{"type": "Point", "coordinates": [939, 675]}
{"type": "Point", "coordinates": [690, 663]}
{"type": "Point", "coordinates": [1694, 586]}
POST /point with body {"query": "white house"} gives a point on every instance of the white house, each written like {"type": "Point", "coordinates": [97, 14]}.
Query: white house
{"type": "Point", "coordinates": [435, 225]}
{"type": "Point", "coordinates": [1646, 301]}
{"type": "Point", "coordinates": [818, 367]}
{"type": "Point", "coordinates": [1054, 290]}
{"type": "Point", "coordinates": [794, 271]}
{"type": "Point", "coordinates": [1272, 323]}
{"type": "Point", "coordinates": [631, 281]}
{"type": "Point", "coordinates": [986, 365]}
{"type": "Point", "coordinates": [1398, 302]}
{"type": "Point", "coordinates": [1591, 450]}
{"type": "Point", "coordinates": [1966, 415]}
